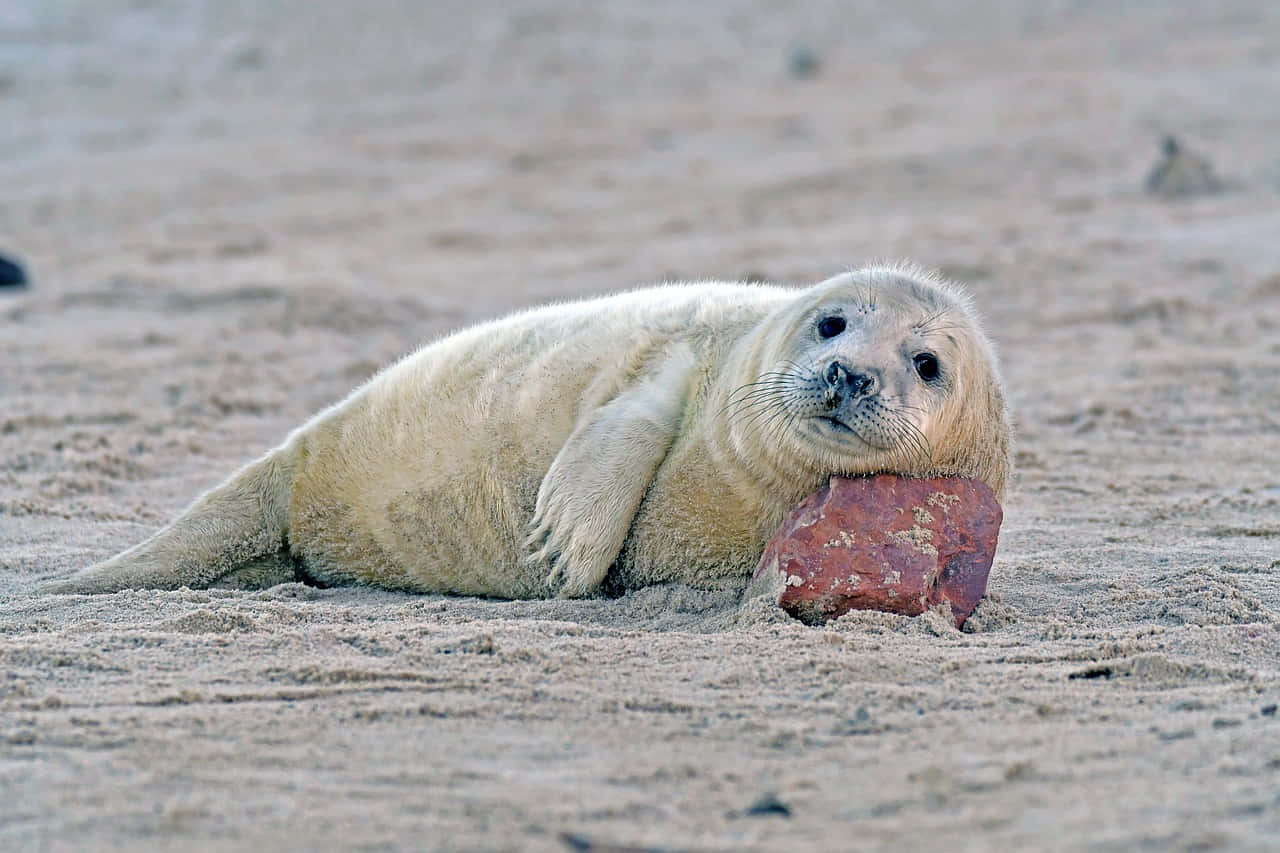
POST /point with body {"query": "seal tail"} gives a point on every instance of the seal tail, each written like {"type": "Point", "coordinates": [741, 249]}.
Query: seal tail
{"type": "Point", "coordinates": [238, 525]}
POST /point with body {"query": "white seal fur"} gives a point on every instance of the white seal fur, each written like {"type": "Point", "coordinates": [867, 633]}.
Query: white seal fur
{"type": "Point", "coordinates": [651, 436]}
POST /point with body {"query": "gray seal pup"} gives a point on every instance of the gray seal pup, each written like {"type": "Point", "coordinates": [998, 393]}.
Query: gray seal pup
{"type": "Point", "coordinates": [658, 435]}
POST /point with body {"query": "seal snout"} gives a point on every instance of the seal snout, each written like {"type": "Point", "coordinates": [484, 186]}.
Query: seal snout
{"type": "Point", "coordinates": [845, 383]}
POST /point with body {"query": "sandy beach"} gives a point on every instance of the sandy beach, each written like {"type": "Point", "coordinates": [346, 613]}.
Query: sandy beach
{"type": "Point", "coordinates": [232, 214]}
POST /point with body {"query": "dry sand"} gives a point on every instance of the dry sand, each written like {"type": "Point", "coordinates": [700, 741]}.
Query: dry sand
{"type": "Point", "coordinates": [236, 212]}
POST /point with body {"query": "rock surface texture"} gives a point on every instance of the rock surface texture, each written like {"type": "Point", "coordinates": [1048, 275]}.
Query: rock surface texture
{"type": "Point", "coordinates": [891, 543]}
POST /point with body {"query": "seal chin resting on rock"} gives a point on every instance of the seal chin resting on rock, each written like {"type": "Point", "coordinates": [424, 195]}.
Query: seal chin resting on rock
{"type": "Point", "coordinates": [653, 436]}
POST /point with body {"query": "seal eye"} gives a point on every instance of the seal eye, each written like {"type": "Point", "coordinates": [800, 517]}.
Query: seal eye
{"type": "Point", "coordinates": [829, 327]}
{"type": "Point", "coordinates": [927, 366]}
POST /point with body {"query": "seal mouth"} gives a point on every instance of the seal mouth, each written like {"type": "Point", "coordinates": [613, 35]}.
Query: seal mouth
{"type": "Point", "coordinates": [835, 429]}
{"type": "Point", "coordinates": [836, 424]}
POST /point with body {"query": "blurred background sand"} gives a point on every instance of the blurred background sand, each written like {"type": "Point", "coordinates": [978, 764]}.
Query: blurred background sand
{"type": "Point", "coordinates": [233, 213]}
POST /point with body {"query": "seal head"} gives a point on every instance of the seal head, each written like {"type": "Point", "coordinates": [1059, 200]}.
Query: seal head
{"type": "Point", "coordinates": [883, 369]}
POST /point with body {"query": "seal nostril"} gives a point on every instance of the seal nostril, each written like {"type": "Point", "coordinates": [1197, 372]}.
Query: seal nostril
{"type": "Point", "coordinates": [842, 379]}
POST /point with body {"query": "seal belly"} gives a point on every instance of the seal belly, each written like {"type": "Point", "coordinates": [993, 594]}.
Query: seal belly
{"type": "Point", "coordinates": [397, 511]}
{"type": "Point", "coordinates": [406, 484]}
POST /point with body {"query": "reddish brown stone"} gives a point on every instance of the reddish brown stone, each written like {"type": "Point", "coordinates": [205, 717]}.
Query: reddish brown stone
{"type": "Point", "coordinates": [898, 544]}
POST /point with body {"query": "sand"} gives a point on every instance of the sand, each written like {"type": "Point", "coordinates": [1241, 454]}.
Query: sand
{"type": "Point", "coordinates": [234, 213]}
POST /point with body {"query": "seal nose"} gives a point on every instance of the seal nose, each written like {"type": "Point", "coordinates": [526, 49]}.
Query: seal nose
{"type": "Point", "coordinates": [841, 379]}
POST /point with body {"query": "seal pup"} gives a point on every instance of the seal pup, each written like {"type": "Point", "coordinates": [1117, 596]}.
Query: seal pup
{"type": "Point", "coordinates": [652, 436]}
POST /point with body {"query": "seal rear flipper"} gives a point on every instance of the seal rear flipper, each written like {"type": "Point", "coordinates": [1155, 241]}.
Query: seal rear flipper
{"type": "Point", "coordinates": [237, 523]}
{"type": "Point", "coordinates": [265, 572]}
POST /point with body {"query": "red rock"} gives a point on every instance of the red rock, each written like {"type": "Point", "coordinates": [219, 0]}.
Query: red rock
{"type": "Point", "coordinates": [887, 542]}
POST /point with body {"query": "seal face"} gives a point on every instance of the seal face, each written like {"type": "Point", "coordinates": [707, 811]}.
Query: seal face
{"type": "Point", "coordinates": [653, 436]}
{"type": "Point", "coordinates": [859, 376]}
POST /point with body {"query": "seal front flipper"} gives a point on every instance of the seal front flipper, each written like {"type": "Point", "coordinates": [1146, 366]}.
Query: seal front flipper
{"type": "Point", "coordinates": [235, 526]}
{"type": "Point", "coordinates": [593, 488]}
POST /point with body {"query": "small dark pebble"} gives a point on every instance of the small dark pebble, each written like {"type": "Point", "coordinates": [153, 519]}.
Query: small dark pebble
{"type": "Point", "coordinates": [1177, 734]}
{"type": "Point", "coordinates": [581, 843]}
{"type": "Point", "coordinates": [857, 723]}
{"type": "Point", "coordinates": [768, 805]}
{"type": "Point", "coordinates": [11, 273]}
{"type": "Point", "coordinates": [1180, 173]}
{"type": "Point", "coordinates": [1269, 710]}
{"type": "Point", "coordinates": [1189, 705]}
{"type": "Point", "coordinates": [803, 62]}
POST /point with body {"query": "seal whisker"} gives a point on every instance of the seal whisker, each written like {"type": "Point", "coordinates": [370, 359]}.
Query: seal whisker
{"type": "Point", "coordinates": [911, 435]}
{"type": "Point", "coordinates": [912, 444]}
{"type": "Point", "coordinates": [945, 327]}
{"type": "Point", "coordinates": [750, 393]}
{"type": "Point", "coordinates": [757, 398]}
{"type": "Point", "coordinates": [767, 416]}
{"type": "Point", "coordinates": [758, 416]}
{"type": "Point", "coordinates": [895, 404]}
{"type": "Point", "coordinates": [747, 392]}
{"type": "Point", "coordinates": [765, 379]}
{"type": "Point", "coordinates": [753, 397]}
{"type": "Point", "coordinates": [924, 325]}
{"type": "Point", "coordinates": [756, 388]}
{"type": "Point", "coordinates": [762, 400]}
{"type": "Point", "coordinates": [781, 423]}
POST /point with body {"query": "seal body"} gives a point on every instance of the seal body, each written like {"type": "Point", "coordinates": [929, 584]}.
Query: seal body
{"type": "Point", "coordinates": [656, 435]}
